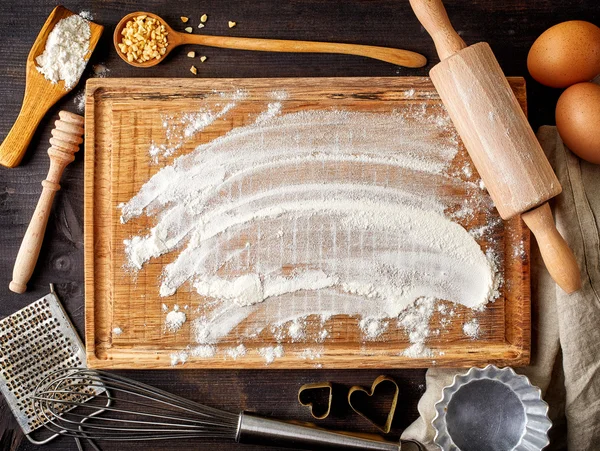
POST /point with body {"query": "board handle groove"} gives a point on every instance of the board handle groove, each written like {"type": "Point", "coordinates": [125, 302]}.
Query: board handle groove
{"type": "Point", "coordinates": [433, 17]}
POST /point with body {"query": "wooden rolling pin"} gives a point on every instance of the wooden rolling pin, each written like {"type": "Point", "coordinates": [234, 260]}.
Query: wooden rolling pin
{"type": "Point", "coordinates": [66, 137]}
{"type": "Point", "coordinates": [498, 137]}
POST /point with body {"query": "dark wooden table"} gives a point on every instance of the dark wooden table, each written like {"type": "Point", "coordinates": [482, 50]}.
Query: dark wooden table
{"type": "Point", "coordinates": [510, 26]}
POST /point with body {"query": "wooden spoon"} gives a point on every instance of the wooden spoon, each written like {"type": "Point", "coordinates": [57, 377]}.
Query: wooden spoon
{"type": "Point", "coordinates": [40, 94]}
{"type": "Point", "coordinates": [395, 56]}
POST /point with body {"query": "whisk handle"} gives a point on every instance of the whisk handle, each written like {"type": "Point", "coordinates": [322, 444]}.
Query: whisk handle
{"type": "Point", "coordinates": [257, 430]}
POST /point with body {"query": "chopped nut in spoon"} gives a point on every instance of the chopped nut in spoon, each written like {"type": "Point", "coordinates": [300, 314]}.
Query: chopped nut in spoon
{"type": "Point", "coordinates": [143, 38]}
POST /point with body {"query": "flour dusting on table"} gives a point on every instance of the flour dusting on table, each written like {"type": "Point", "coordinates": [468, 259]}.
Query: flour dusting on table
{"type": "Point", "coordinates": [265, 222]}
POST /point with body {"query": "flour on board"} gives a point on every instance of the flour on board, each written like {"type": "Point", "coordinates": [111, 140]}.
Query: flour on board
{"type": "Point", "coordinates": [184, 127]}
{"type": "Point", "coordinates": [383, 245]}
{"type": "Point", "coordinates": [270, 353]}
{"type": "Point", "coordinates": [175, 319]}
{"type": "Point", "coordinates": [238, 351]}
{"type": "Point", "coordinates": [471, 328]}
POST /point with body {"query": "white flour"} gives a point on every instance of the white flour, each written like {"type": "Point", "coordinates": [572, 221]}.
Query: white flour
{"type": "Point", "coordinates": [175, 319]}
{"type": "Point", "coordinates": [179, 357]}
{"type": "Point", "coordinates": [471, 328]}
{"type": "Point", "coordinates": [238, 351]}
{"type": "Point", "coordinates": [416, 323]}
{"type": "Point", "coordinates": [98, 71]}
{"type": "Point", "coordinates": [87, 15]}
{"type": "Point", "coordinates": [270, 353]}
{"type": "Point", "coordinates": [185, 127]}
{"type": "Point", "coordinates": [296, 330]}
{"type": "Point", "coordinates": [66, 48]}
{"type": "Point", "coordinates": [311, 354]}
{"type": "Point", "coordinates": [79, 101]}
{"type": "Point", "coordinates": [379, 246]}
{"type": "Point", "coordinates": [372, 328]}
{"type": "Point", "coordinates": [204, 351]}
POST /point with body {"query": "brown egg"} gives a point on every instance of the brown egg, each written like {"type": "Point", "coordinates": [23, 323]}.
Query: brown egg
{"type": "Point", "coordinates": [565, 54]}
{"type": "Point", "coordinates": [578, 120]}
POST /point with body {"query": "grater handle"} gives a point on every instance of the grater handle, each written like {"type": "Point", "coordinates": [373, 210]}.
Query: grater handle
{"type": "Point", "coordinates": [66, 137]}
{"type": "Point", "coordinates": [257, 430]}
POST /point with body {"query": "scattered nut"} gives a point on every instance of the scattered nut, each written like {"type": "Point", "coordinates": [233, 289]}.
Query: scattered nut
{"type": "Point", "coordinates": [143, 38]}
{"type": "Point", "coordinates": [232, 24]}
{"type": "Point", "coordinates": [191, 54]}
{"type": "Point", "coordinates": [200, 25]}
{"type": "Point", "coordinates": [184, 19]}
{"type": "Point", "coordinates": [204, 18]}
{"type": "Point", "coordinates": [193, 70]}
{"type": "Point", "coordinates": [189, 29]}
{"type": "Point", "coordinates": [202, 58]}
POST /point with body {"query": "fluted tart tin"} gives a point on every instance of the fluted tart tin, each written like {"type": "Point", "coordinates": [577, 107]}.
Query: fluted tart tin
{"type": "Point", "coordinates": [491, 409]}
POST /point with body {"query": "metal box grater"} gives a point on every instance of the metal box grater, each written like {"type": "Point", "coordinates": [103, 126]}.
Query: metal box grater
{"type": "Point", "coordinates": [34, 342]}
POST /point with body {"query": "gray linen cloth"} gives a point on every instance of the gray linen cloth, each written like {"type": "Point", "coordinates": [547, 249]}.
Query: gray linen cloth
{"type": "Point", "coordinates": [565, 360]}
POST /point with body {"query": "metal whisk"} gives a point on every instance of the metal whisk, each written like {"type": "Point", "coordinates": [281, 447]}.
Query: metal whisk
{"type": "Point", "coordinates": [135, 411]}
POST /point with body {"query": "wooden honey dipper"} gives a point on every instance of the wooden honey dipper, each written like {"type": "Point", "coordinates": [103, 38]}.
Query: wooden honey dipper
{"type": "Point", "coordinates": [66, 137]}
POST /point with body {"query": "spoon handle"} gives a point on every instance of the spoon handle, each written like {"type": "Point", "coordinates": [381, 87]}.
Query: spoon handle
{"type": "Point", "coordinates": [14, 146]}
{"type": "Point", "coordinates": [399, 57]}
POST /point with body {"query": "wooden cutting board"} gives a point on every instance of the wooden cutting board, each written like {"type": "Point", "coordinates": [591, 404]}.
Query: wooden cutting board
{"type": "Point", "coordinates": [124, 115]}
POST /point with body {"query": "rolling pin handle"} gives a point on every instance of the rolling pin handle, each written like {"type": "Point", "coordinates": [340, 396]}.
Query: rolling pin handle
{"type": "Point", "coordinates": [556, 253]}
{"type": "Point", "coordinates": [432, 15]}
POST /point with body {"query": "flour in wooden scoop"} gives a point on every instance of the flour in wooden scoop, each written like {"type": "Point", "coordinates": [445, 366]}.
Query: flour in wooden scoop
{"type": "Point", "coordinates": [318, 212]}
{"type": "Point", "coordinates": [67, 45]}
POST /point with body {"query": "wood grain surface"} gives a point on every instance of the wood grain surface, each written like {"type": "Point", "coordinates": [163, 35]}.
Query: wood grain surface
{"type": "Point", "coordinates": [122, 114]}
{"type": "Point", "coordinates": [509, 26]}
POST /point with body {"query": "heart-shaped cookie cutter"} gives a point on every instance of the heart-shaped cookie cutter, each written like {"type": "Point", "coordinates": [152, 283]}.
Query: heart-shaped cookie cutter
{"type": "Point", "coordinates": [387, 426]}
{"type": "Point", "coordinates": [310, 404]}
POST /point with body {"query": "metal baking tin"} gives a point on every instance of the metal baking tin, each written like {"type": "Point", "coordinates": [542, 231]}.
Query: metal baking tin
{"type": "Point", "coordinates": [491, 409]}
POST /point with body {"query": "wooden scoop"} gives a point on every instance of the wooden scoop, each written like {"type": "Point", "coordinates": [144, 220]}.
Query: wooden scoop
{"type": "Point", "coordinates": [40, 94]}
{"type": "Point", "coordinates": [395, 56]}
{"type": "Point", "coordinates": [498, 137]}
{"type": "Point", "coordinates": [66, 137]}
